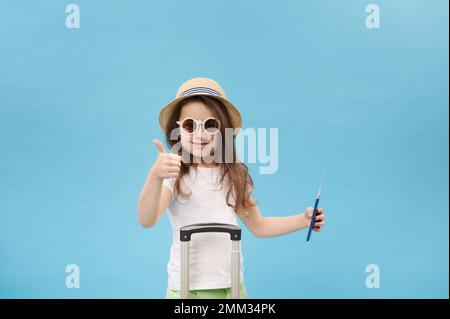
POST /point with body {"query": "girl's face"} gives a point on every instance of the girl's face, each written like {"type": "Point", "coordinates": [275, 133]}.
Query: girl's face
{"type": "Point", "coordinates": [200, 144]}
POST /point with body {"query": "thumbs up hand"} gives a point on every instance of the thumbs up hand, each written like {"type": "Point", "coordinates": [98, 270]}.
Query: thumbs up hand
{"type": "Point", "coordinates": [167, 165]}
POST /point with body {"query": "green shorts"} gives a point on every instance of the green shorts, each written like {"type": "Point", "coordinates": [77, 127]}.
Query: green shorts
{"type": "Point", "coordinates": [221, 293]}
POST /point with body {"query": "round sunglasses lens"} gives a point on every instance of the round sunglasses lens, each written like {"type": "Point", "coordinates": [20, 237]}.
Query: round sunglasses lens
{"type": "Point", "coordinates": [189, 125]}
{"type": "Point", "coordinates": [212, 126]}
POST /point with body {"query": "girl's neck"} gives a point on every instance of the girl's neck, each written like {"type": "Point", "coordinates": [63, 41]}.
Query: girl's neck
{"type": "Point", "coordinates": [211, 165]}
{"type": "Point", "coordinates": [200, 162]}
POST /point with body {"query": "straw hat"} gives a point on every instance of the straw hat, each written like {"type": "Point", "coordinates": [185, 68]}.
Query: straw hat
{"type": "Point", "coordinates": [200, 86]}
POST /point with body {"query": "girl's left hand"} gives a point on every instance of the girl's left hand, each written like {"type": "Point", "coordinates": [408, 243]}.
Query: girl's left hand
{"type": "Point", "coordinates": [320, 218]}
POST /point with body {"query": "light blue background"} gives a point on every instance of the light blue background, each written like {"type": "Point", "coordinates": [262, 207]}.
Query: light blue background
{"type": "Point", "coordinates": [79, 108]}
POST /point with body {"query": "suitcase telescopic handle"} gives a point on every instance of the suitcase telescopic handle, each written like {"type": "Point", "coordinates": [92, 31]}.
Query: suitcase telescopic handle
{"type": "Point", "coordinates": [187, 231]}
{"type": "Point", "coordinates": [235, 236]}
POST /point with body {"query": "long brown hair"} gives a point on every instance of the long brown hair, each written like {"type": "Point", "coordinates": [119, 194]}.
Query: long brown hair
{"type": "Point", "coordinates": [240, 183]}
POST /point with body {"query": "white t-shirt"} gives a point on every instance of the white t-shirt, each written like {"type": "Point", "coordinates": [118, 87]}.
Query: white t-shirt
{"type": "Point", "coordinates": [210, 253]}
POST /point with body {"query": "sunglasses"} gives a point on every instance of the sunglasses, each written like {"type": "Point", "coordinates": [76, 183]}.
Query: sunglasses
{"type": "Point", "coordinates": [191, 125]}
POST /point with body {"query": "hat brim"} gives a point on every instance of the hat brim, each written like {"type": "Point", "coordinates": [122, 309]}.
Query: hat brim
{"type": "Point", "coordinates": [166, 111]}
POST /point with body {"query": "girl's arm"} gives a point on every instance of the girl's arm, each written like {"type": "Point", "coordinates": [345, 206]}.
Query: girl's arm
{"type": "Point", "coordinates": [154, 197]}
{"type": "Point", "coordinates": [153, 200]}
{"type": "Point", "coordinates": [276, 226]}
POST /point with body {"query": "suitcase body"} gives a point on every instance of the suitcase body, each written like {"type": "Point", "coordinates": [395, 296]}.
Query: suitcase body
{"type": "Point", "coordinates": [235, 236]}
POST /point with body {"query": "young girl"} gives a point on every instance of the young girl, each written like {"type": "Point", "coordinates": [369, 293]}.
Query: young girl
{"type": "Point", "coordinates": [202, 181]}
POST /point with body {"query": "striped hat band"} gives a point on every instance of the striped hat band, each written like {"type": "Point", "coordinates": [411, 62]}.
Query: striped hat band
{"type": "Point", "coordinates": [200, 90]}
